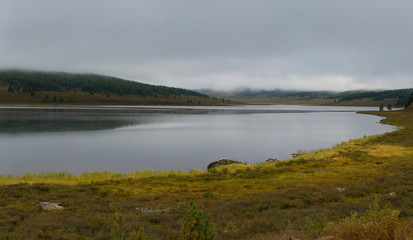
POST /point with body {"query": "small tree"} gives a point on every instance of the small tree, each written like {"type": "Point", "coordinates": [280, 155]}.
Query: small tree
{"type": "Point", "coordinates": [389, 107]}
{"type": "Point", "coordinates": [197, 226]}
{"type": "Point", "coordinates": [119, 233]}
{"type": "Point", "coordinates": [381, 107]}
{"type": "Point", "coordinates": [408, 101]}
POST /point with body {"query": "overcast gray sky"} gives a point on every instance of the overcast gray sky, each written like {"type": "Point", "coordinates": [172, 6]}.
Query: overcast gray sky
{"type": "Point", "coordinates": [219, 44]}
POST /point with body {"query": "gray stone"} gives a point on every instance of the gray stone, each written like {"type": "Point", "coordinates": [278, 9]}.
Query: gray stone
{"type": "Point", "coordinates": [151, 210]}
{"type": "Point", "coordinates": [340, 189]}
{"type": "Point", "coordinates": [48, 206]}
{"type": "Point", "coordinates": [326, 238]}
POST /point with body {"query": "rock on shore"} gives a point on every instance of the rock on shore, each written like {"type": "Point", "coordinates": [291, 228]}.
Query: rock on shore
{"type": "Point", "coordinates": [223, 162]}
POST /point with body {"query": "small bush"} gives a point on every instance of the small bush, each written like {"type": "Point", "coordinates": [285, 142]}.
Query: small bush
{"type": "Point", "coordinates": [374, 224]}
{"type": "Point", "coordinates": [121, 234]}
{"type": "Point", "coordinates": [197, 225]}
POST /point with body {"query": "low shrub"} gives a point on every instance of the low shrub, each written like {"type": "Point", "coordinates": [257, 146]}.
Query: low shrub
{"type": "Point", "coordinates": [374, 224]}
{"type": "Point", "coordinates": [121, 234]}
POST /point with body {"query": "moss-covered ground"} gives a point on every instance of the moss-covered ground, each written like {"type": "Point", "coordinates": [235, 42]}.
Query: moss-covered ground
{"type": "Point", "coordinates": [302, 196]}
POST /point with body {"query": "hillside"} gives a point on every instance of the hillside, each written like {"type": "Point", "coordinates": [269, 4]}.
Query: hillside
{"type": "Point", "coordinates": [396, 98]}
{"type": "Point", "coordinates": [29, 87]}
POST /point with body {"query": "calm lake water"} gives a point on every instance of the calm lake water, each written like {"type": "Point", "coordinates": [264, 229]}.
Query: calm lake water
{"type": "Point", "coordinates": [79, 139]}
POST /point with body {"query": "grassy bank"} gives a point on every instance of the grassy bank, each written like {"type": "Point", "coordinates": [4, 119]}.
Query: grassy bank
{"type": "Point", "coordinates": [304, 197]}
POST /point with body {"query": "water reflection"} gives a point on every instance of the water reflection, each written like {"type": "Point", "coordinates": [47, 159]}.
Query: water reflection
{"type": "Point", "coordinates": [69, 120]}
{"type": "Point", "coordinates": [93, 118]}
{"type": "Point", "coordinates": [25, 121]}
{"type": "Point", "coordinates": [128, 138]}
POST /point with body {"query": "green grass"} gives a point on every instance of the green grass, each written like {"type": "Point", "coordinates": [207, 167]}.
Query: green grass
{"type": "Point", "coordinates": [276, 200]}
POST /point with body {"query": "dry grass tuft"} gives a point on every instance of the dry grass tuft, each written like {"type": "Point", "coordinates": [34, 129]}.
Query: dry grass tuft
{"type": "Point", "coordinates": [374, 224]}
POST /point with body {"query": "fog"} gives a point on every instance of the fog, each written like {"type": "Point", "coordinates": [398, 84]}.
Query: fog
{"type": "Point", "coordinates": [223, 45]}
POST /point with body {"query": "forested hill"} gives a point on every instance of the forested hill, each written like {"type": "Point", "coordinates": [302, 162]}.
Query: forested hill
{"type": "Point", "coordinates": [398, 97]}
{"type": "Point", "coordinates": [31, 81]}
{"type": "Point", "coordinates": [401, 94]}
{"type": "Point", "coordinates": [342, 96]}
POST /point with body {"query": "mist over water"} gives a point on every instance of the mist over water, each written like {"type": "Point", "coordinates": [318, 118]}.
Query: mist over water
{"type": "Point", "coordinates": [79, 139]}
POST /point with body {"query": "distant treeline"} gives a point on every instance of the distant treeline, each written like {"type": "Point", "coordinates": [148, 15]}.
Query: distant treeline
{"type": "Point", "coordinates": [401, 94]}
{"type": "Point", "coordinates": [248, 93]}
{"type": "Point", "coordinates": [31, 81]}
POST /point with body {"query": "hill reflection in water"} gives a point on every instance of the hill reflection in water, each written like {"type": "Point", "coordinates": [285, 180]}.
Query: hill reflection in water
{"type": "Point", "coordinates": [66, 119]}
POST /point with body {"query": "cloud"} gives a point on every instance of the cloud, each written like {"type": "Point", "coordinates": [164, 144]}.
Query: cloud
{"type": "Point", "coordinates": [319, 44]}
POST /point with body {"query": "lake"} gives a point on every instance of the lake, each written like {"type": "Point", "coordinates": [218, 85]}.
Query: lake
{"type": "Point", "coordinates": [125, 138]}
